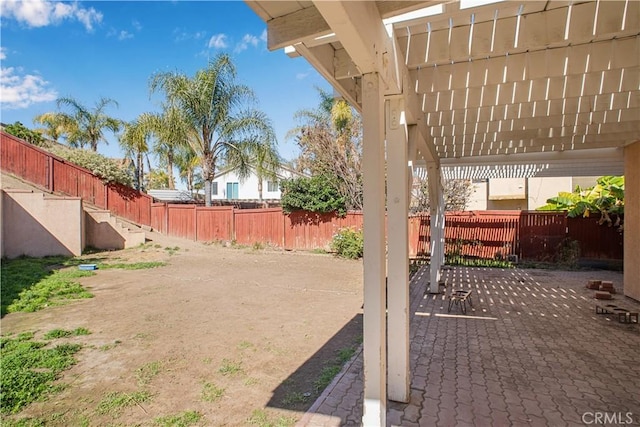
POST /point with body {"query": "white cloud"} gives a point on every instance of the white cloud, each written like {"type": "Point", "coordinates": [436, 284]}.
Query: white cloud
{"type": "Point", "coordinates": [18, 90]}
{"type": "Point", "coordinates": [218, 41]}
{"type": "Point", "coordinates": [3, 53]}
{"type": "Point", "coordinates": [180, 35]}
{"type": "Point", "coordinates": [263, 36]}
{"type": "Point", "coordinates": [247, 40]}
{"type": "Point", "coordinates": [40, 13]}
{"type": "Point", "coordinates": [123, 35]}
{"type": "Point", "coordinates": [302, 76]}
{"type": "Point", "coordinates": [136, 25]}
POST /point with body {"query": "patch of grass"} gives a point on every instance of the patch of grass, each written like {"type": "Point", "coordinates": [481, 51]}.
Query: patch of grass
{"type": "Point", "coordinates": [148, 372]}
{"type": "Point", "coordinates": [319, 251]}
{"type": "Point", "coordinates": [183, 419]}
{"type": "Point", "coordinates": [230, 367]}
{"type": "Point", "coordinates": [113, 403]}
{"type": "Point", "coordinates": [477, 262]}
{"type": "Point", "coordinates": [333, 368]}
{"type": "Point", "coordinates": [29, 369]}
{"type": "Point", "coordinates": [172, 250]}
{"type": "Point", "coordinates": [345, 354]}
{"type": "Point", "coordinates": [106, 347]}
{"type": "Point", "coordinates": [132, 266]}
{"type": "Point", "coordinates": [295, 397]}
{"type": "Point", "coordinates": [235, 245]}
{"type": "Point", "coordinates": [257, 246]}
{"type": "Point", "coordinates": [211, 392]}
{"type": "Point", "coordinates": [260, 418]}
{"type": "Point", "coordinates": [62, 333]}
{"type": "Point", "coordinates": [30, 284]}
{"type": "Point", "coordinates": [250, 381]}
{"type": "Point", "coordinates": [243, 345]}
{"type": "Point", "coordinates": [33, 422]}
{"type": "Point", "coordinates": [326, 376]}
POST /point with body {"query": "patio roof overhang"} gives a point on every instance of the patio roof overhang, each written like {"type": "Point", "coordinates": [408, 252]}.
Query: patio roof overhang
{"type": "Point", "coordinates": [495, 80]}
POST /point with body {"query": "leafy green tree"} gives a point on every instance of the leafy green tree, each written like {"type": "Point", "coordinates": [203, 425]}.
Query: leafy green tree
{"type": "Point", "coordinates": [221, 128]}
{"type": "Point", "coordinates": [315, 194]}
{"type": "Point", "coordinates": [19, 130]}
{"type": "Point", "coordinates": [330, 141]}
{"type": "Point", "coordinates": [86, 126]}
{"type": "Point", "coordinates": [605, 198]}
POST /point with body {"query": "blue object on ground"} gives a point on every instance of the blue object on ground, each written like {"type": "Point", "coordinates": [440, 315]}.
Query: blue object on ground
{"type": "Point", "coordinates": [88, 266]}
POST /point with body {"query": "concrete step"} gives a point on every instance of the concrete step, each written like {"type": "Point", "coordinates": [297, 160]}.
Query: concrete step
{"type": "Point", "coordinates": [105, 231]}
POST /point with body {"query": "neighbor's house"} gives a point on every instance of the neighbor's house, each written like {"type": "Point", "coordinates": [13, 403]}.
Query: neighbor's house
{"type": "Point", "coordinates": [227, 185]}
{"type": "Point", "coordinates": [522, 193]}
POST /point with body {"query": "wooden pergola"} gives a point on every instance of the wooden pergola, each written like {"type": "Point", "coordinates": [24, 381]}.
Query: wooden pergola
{"type": "Point", "coordinates": [468, 88]}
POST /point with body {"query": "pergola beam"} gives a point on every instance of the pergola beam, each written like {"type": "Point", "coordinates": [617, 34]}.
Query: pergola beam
{"type": "Point", "coordinates": [296, 27]}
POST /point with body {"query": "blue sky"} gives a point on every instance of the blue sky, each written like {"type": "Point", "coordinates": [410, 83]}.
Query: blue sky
{"type": "Point", "coordinates": [89, 50]}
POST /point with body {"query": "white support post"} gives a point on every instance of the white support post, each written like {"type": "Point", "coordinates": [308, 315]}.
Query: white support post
{"type": "Point", "coordinates": [374, 340]}
{"type": "Point", "coordinates": [436, 201]}
{"type": "Point", "coordinates": [398, 252]}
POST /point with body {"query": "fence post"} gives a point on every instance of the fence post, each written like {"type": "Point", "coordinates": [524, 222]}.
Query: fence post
{"type": "Point", "coordinates": [284, 231]}
{"type": "Point", "coordinates": [195, 223]}
{"type": "Point", "coordinates": [233, 223]}
{"type": "Point", "coordinates": [50, 174]}
{"type": "Point", "coordinates": [166, 219]}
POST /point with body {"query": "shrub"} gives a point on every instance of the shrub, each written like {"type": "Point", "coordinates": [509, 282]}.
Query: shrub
{"type": "Point", "coordinates": [107, 169]}
{"type": "Point", "coordinates": [19, 130]}
{"type": "Point", "coordinates": [348, 243]}
{"type": "Point", "coordinates": [315, 194]}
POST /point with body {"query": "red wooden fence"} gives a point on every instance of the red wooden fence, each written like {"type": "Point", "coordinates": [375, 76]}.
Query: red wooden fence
{"type": "Point", "coordinates": [484, 234]}
{"type": "Point", "coordinates": [56, 175]}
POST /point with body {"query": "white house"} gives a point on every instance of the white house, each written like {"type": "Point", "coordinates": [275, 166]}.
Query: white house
{"type": "Point", "coordinates": [522, 193]}
{"type": "Point", "coordinates": [227, 185]}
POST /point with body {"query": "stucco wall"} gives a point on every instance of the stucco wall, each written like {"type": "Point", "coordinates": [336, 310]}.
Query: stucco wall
{"type": "Point", "coordinates": [478, 199]}
{"type": "Point", "coordinates": [37, 225]}
{"type": "Point", "coordinates": [632, 221]}
{"type": "Point", "coordinates": [541, 189]}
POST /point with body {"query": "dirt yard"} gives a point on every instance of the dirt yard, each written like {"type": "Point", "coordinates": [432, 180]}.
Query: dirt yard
{"type": "Point", "coordinates": [218, 330]}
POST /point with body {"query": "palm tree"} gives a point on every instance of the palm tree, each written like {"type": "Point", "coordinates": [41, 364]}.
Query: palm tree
{"type": "Point", "coordinates": [266, 164]}
{"type": "Point", "coordinates": [220, 128]}
{"type": "Point", "coordinates": [187, 163]}
{"type": "Point", "coordinates": [55, 125]}
{"type": "Point", "coordinates": [88, 124]}
{"type": "Point", "coordinates": [134, 141]}
{"type": "Point", "coordinates": [170, 130]}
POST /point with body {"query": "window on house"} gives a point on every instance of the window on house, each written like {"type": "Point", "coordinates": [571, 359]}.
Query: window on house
{"type": "Point", "coordinates": [214, 188]}
{"type": "Point", "coordinates": [232, 190]}
{"type": "Point", "coordinates": [272, 186]}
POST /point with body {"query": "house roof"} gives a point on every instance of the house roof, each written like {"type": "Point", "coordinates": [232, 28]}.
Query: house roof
{"type": "Point", "coordinates": [501, 83]}
{"type": "Point", "coordinates": [166, 195]}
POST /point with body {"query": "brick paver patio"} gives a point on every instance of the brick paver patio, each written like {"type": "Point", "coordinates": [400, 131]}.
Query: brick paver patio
{"type": "Point", "coordinates": [530, 352]}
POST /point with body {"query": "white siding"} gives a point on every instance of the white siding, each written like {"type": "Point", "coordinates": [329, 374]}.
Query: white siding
{"type": "Point", "coordinates": [247, 189]}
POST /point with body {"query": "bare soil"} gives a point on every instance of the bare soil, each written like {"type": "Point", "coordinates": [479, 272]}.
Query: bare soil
{"type": "Point", "coordinates": [276, 318]}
